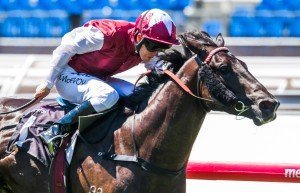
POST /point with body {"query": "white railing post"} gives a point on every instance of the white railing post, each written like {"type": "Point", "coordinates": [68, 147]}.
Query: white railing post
{"type": "Point", "coordinates": [16, 82]}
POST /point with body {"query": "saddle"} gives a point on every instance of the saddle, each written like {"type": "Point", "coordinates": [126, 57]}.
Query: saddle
{"type": "Point", "coordinates": [37, 120]}
{"type": "Point", "coordinates": [86, 121]}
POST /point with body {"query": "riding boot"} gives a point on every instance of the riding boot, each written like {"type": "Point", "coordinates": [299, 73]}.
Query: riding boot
{"type": "Point", "coordinates": [57, 131]}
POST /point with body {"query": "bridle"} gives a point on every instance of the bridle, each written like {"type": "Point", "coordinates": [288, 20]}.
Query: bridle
{"type": "Point", "coordinates": [207, 61]}
{"type": "Point", "coordinates": [199, 82]}
{"type": "Point", "coordinates": [240, 107]}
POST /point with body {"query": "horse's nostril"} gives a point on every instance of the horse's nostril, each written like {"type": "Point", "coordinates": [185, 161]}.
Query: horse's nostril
{"type": "Point", "coordinates": [268, 109]}
{"type": "Point", "coordinates": [268, 106]}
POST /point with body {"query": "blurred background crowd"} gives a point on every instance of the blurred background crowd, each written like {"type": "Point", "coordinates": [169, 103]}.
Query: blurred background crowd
{"type": "Point", "coordinates": [235, 18]}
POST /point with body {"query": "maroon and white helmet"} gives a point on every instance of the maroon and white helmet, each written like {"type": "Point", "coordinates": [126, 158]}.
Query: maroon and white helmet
{"type": "Point", "coordinates": [157, 25]}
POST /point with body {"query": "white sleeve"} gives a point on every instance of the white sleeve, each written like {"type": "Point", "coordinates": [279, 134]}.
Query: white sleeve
{"type": "Point", "coordinates": [78, 41]}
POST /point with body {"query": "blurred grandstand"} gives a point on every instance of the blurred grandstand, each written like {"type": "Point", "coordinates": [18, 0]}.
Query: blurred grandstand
{"type": "Point", "coordinates": [236, 18]}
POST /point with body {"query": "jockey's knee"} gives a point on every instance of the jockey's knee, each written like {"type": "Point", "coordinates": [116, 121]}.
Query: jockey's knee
{"type": "Point", "coordinates": [101, 104]}
{"type": "Point", "coordinates": [112, 99]}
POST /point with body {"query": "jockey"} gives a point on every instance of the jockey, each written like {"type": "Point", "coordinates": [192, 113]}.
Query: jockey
{"type": "Point", "coordinates": [82, 65]}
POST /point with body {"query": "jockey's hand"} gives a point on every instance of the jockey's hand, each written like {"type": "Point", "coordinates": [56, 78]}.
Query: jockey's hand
{"type": "Point", "coordinates": [41, 91]}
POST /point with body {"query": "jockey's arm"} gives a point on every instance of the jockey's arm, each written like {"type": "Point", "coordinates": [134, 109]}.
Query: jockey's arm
{"type": "Point", "coordinates": [79, 41]}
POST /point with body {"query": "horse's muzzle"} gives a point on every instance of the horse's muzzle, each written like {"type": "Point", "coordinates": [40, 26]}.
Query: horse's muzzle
{"type": "Point", "coordinates": [268, 108]}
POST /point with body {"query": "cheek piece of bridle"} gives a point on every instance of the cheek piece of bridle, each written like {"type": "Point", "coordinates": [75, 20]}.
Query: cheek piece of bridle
{"type": "Point", "coordinates": [214, 85]}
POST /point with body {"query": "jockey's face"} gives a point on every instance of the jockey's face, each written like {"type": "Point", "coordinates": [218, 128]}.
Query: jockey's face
{"type": "Point", "coordinates": [145, 54]}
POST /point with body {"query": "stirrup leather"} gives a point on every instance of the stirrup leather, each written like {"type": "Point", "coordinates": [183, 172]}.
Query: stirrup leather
{"type": "Point", "coordinates": [54, 130]}
{"type": "Point", "coordinates": [53, 136]}
{"type": "Point", "coordinates": [55, 142]}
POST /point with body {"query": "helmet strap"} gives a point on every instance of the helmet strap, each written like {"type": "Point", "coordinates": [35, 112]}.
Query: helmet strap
{"type": "Point", "coordinates": [139, 45]}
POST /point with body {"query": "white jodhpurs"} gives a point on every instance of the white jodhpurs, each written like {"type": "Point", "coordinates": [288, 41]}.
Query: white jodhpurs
{"type": "Point", "coordinates": [103, 94]}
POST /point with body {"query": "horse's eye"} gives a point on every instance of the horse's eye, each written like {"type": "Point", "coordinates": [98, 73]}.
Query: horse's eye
{"type": "Point", "coordinates": [223, 68]}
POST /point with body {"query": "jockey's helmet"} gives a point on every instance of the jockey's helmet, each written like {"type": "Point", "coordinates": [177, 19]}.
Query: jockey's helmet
{"type": "Point", "coordinates": [157, 25]}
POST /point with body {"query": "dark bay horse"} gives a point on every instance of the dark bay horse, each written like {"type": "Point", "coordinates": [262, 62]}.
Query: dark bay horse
{"type": "Point", "coordinates": [161, 131]}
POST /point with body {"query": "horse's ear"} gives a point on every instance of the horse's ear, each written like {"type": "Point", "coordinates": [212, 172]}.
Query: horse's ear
{"type": "Point", "coordinates": [220, 40]}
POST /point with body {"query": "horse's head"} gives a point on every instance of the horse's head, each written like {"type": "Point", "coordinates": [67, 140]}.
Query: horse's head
{"type": "Point", "coordinates": [226, 80]}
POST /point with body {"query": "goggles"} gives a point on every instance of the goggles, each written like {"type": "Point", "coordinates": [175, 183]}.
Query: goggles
{"type": "Point", "coordinates": [153, 46]}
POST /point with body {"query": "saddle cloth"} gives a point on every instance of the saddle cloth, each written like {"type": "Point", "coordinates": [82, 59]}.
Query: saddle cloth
{"type": "Point", "coordinates": [36, 121]}
{"type": "Point", "coordinates": [30, 126]}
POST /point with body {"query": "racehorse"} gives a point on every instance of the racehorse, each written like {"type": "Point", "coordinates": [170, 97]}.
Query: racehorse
{"type": "Point", "coordinates": [159, 131]}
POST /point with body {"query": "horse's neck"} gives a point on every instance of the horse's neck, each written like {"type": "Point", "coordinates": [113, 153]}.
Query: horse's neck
{"type": "Point", "coordinates": [168, 127]}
